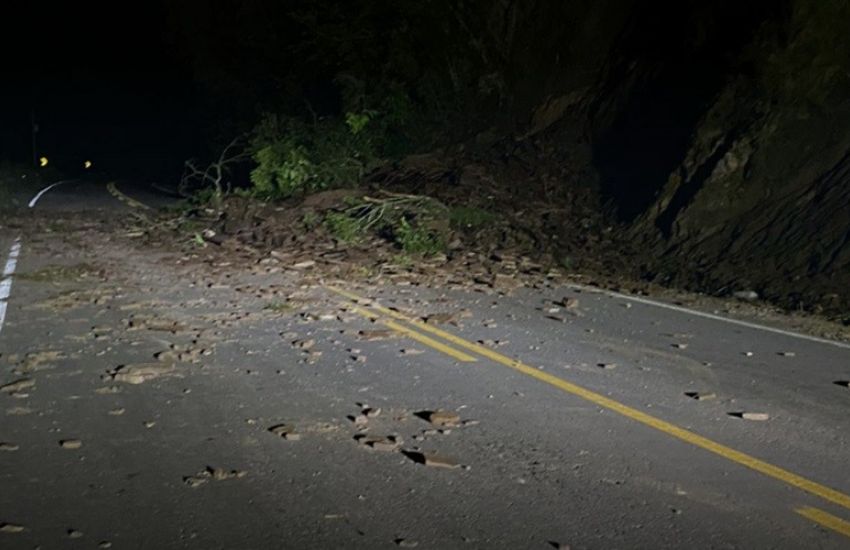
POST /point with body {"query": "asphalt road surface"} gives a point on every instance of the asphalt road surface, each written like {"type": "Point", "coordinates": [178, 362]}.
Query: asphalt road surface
{"type": "Point", "coordinates": [149, 402]}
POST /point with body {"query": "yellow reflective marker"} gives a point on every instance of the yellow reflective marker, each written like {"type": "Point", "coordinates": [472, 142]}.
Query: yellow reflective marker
{"type": "Point", "coordinates": [43, 162]}
{"type": "Point", "coordinates": [719, 449]}
{"type": "Point", "coordinates": [87, 164]}
{"type": "Point", "coordinates": [825, 519]}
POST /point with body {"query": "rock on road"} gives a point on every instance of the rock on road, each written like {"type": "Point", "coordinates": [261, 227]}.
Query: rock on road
{"type": "Point", "coordinates": [147, 401]}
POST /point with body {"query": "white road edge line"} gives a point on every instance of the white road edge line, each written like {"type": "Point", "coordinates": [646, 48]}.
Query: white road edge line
{"type": "Point", "coordinates": [698, 313]}
{"type": "Point", "coordinates": [45, 190]}
{"type": "Point", "coordinates": [6, 282]}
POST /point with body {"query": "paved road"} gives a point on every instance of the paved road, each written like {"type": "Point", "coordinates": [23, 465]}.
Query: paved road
{"type": "Point", "coordinates": [94, 194]}
{"type": "Point", "coordinates": [576, 427]}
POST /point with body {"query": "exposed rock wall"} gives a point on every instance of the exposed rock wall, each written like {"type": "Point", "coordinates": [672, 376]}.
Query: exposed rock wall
{"type": "Point", "coordinates": [730, 161]}
{"type": "Point", "coordinates": [762, 198]}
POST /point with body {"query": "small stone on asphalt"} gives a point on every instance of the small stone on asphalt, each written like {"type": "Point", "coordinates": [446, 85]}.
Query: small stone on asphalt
{"type": "Point", "coordinates": [285, 431]}
{"type": "Point", "coordinates": [359, 420]}
{"type": "Point", "coordinates": [303, 344]}
{"type": "Point", "coordinates": [18, 385]}
{"type": "Point", "coordinates": [431, 459]}
{"type": "Point", "coordinates": [700, 396]}
{"type": "Point", "coordinates": [371, 335]}
{"type": "Point", "coordinates": [444, 418]}
{"type": "Point", "coordinates": [385, 444]}
{"type": "Point", "coordinates": [440, 461]}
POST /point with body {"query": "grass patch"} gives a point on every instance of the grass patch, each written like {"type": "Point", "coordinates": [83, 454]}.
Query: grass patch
{"type": "Point", "coordinates": [344, 227]}
{"type": "Point", "coordinates": [418, 239]}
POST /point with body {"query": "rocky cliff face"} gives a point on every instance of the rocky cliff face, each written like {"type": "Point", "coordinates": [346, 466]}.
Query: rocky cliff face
{"type": "Point", "coordinates": [761, 197]}
{"type": "Point", "coordinates": [721, 136]}
{"type": "Point", "coordinates": [718, 132]}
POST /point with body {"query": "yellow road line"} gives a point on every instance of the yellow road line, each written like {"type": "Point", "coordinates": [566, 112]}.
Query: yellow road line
{"type": "Point", "coordinates": [719, 449]}
{"type": "Point", "coordinates": [132, 203]}
{"type": "Point", "coordinates": [827, 520]}
{"type": "Point", "coordinates": [421, 338]}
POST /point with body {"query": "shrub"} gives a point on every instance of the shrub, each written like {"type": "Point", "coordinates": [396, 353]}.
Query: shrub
{"type": "Point", "coordinates": [344, 227]}
{"type": "Point", "coordinates": [310, 220]}
{"type": "Point", "coordinates": [295, 156]}
{"type": "Point", "coordinates": [418, 239]}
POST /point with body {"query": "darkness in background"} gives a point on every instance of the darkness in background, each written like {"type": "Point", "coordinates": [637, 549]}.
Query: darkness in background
{"type": "Point", "coordinates": [141, 86]}
{"type": "Point", "coordinates": [103, 83]}
{"type": "Point", "coordinates": [673, 60]}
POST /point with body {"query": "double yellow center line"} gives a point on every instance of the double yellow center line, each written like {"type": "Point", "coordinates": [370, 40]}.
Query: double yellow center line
{"type": "Point", "coordinates": [132, 203]}
{"type": "Point", "coordinates": [418, 337]}
{"type": "Point", "coordinates": [413, 328]}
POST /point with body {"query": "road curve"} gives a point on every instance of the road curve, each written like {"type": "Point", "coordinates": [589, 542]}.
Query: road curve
{"type": "Point", "coordinates": [265, 414]}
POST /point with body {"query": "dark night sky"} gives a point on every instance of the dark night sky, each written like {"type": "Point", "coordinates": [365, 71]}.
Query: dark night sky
{"type": "Point", "coordinates": [104, 83]}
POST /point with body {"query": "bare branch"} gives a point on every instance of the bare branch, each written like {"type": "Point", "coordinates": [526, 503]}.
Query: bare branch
{"type": "Point", "coordinates": [216, 173]}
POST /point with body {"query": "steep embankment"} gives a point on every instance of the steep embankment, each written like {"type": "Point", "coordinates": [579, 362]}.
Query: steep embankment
{"type": "Point", "coordinates": [761, 198]}
{"type": "Point", "coordinates": [724, 145]}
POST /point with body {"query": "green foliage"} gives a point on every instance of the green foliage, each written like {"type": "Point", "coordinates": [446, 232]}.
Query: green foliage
{"type": "Point", "coordinates": [283, 166]}
{"type": "Point", "coordinates": [418, 239]}
{"type": "Point", "coordinates": [295, 156]}
{"type": "Point", "coordinates": [411, 221]}
{"type": "Point", "coordinates": [403, 260]}
{"type": "Point", "coordinates": [203, 197]}
{"type": "Point", "coordinates": [357, 121]}
{"type": "Point", "coordinates": [344, 227]}
{"type": "Point", "coordinates": [311, 220]}
{"type": "Point", "coordinates": [466, 217]}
